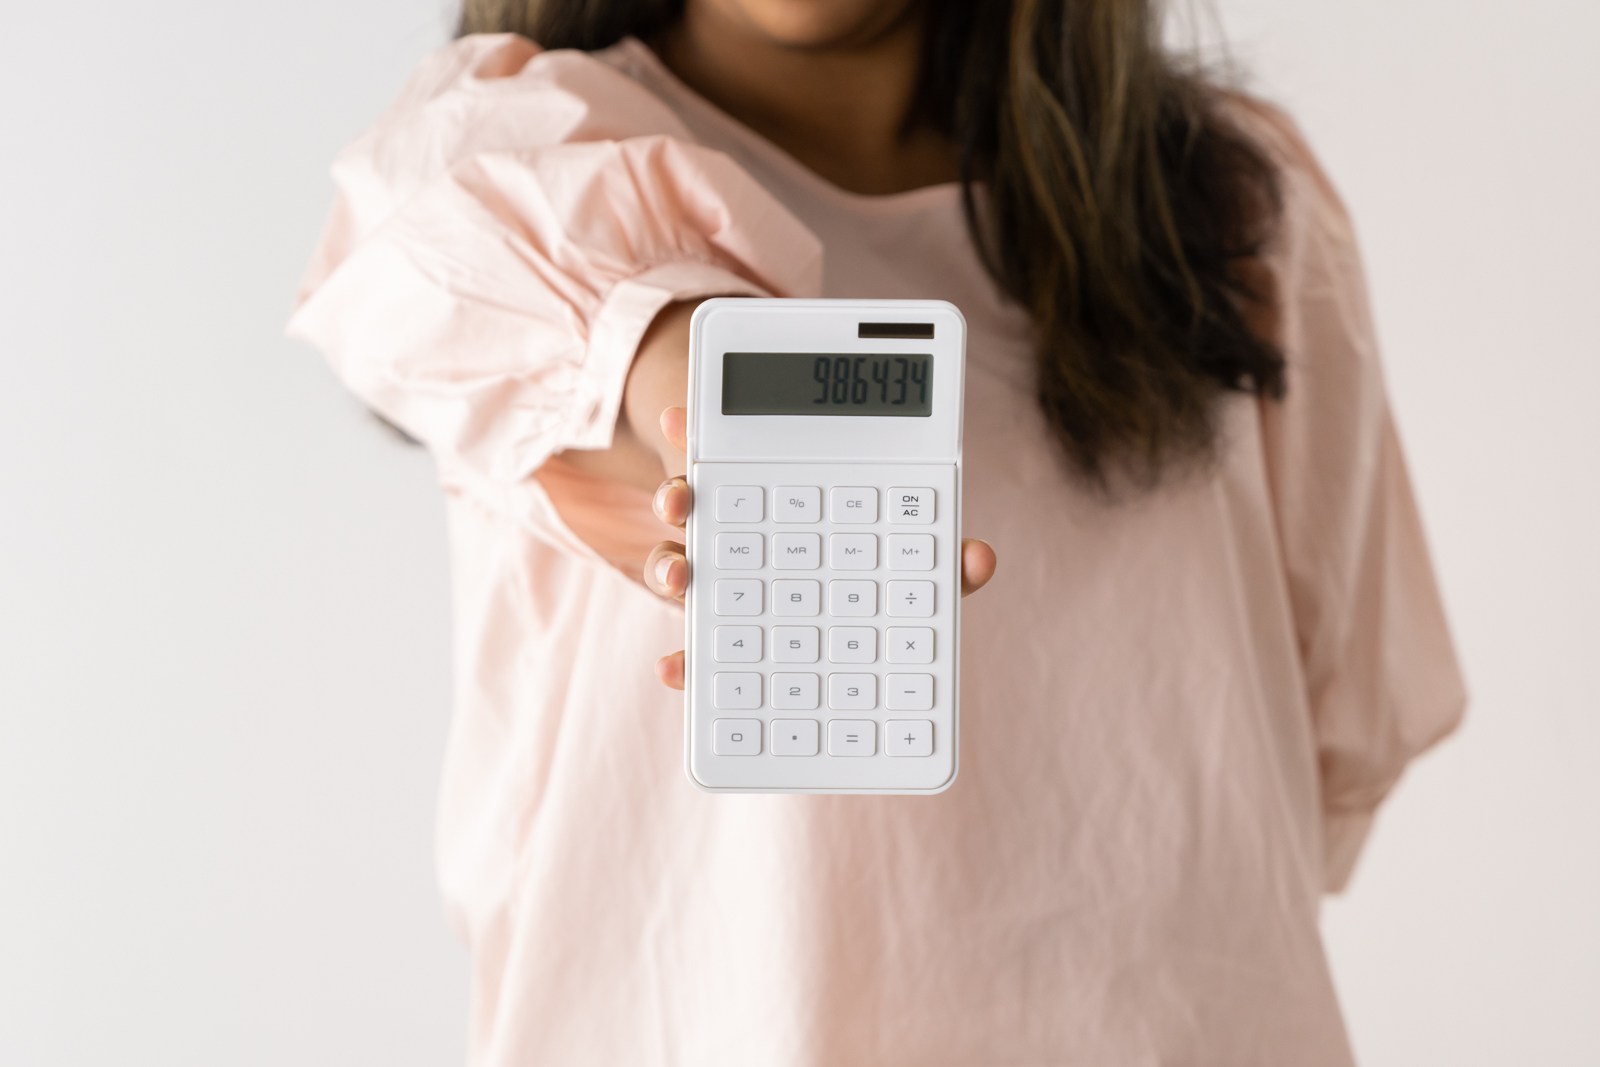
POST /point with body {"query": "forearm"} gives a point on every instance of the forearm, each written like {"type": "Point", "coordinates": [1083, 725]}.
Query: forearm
{"type": "Point", "coordinates": [659, 380]}
{"type": "Point", "coordinates": [640, 454]}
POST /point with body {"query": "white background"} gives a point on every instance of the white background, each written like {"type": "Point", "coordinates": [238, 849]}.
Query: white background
{"type": "Point", "coordinates": [224, 612]}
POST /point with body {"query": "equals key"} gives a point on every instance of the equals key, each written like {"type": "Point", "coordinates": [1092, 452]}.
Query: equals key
{"type": "Point", "coordinates": [852, 737]}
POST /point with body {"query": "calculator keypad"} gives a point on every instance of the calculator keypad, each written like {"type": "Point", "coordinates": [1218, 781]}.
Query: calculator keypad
{"type": "Point", "coordinates": [818, 659]}
{"type": "Point", "coordinates": [739, 503]}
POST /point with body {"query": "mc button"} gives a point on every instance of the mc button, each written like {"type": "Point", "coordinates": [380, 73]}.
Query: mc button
{"type": "Point", "coordinates": [739, 551]}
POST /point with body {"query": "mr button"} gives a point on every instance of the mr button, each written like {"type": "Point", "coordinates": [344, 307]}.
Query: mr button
{"type": "Point", "coordinates": [911, 506]}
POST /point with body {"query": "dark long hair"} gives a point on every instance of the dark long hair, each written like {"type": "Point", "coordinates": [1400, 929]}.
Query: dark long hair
{"type": "Point", "coordinates": [1104, 189]}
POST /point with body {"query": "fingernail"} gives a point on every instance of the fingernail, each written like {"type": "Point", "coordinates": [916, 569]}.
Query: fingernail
{"type": "Point", "coordinates": [663, 568]}
{"type": "Point", "coordinates": [660, 502]}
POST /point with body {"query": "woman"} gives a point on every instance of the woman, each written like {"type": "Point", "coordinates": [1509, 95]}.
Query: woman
{"type": "Point", "coordinates": [1212, 645]}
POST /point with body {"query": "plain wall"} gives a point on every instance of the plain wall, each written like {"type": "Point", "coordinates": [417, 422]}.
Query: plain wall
{"type": "Point", "coordinates": [224, 606]}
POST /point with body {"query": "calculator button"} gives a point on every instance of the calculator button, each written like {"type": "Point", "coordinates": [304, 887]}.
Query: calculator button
{"type": "Point", "coordinates": [738, 596]}
{"type": "Point", "coordinates": [739, 551]}
{"type": "Point", "coordinates": [794, 644]}
{"type": "Point", "coordinates": [910, 552]}
{"type": "Point", "coordinates": [852, 692]}
{"type": "Point", "coordinates": [738, 503]}
{"type": "Point", "coordinates": [853, 504]}
{"type": "Point", "coordinates": [908, 692]}
{"type": "Point", "coordinates": [858, 599]}
{"type": "Point", "coordinates": [911, 600]}
{"type": "Point", "coordinates": [908, 737]}
{"type": "Point", "coordinates": [853, 552]}
{"type": "Point", "coordinates": [794, 737]}
{"type": "Point", "coordinates": [911, 506]}
{"type": "Point", "coordinates": [797, 596]}
{"type": "Point", "coordinates": [852, 737]}
{"type": "Point", "coordinates": [796, 503]}
{"type": "Point", "coordinates": [741, 692]}
{"type": "Point", "coordinates": [736, 737]}
{"type": "Point", "coordinates": [908, 644]}
{"type": "Point", "coordinates": [794, 692]}
{"type": "Point", "coordinates": [852, 644]}
{"type": "Point", "coordinates": [796, 551]}
{"type": "Point", "coordinates": [737, 644]}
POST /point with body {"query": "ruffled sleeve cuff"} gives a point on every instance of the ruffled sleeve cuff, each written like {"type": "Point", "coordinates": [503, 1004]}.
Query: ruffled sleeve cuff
{"type": "Point", "coordinates": [494, 317]}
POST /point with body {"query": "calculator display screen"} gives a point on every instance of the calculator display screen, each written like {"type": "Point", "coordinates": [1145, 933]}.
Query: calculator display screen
{"type": "Point", "coordinates": [801, 383]}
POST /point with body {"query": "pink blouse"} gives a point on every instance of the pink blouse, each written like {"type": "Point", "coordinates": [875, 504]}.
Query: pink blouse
{"type": "Point", "coordinates": [1179, 712]}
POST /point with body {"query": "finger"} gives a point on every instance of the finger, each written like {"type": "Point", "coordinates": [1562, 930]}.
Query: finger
{"type": "Point", "coordinates": [675, 424]}
{"type": "Point", "coordinates": [666, 572]}
{"type": "Point", "coordinates": [670, 670]}
{"type": "Point", "coordinates": [671, 502]}
{"type": "Point", "coordinates": [977, 564]}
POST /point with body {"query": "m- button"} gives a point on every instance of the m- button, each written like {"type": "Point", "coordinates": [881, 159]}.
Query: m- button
{"type": "Point", "coordinates": [913, 506]}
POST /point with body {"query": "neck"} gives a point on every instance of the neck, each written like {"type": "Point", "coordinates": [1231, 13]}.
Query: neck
{"type": "Point", "coordinates": [843, 109]}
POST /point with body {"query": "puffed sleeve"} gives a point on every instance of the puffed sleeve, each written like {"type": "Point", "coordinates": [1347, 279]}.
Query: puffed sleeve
{"type": "Point", "coordinates": [501, 241]}
{"type": "Point", "coordinates": [1380, 669]}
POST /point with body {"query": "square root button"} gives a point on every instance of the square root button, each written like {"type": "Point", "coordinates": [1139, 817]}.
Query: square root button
{"type": "Point", "coordinates": [908, 737]}
{"type": "Point", "coordinates": [739, 503]}
{"type": "Point", "coordinates": [852, 737]}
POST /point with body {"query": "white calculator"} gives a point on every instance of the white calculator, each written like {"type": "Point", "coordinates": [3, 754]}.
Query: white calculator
{"type": "Point", "coordinates": [824, 545]}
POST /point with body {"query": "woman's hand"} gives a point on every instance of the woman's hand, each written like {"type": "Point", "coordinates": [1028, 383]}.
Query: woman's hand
{"type": "Point", "coordinates": [666, 571]}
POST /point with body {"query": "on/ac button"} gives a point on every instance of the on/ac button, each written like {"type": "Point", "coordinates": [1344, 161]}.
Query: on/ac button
{"type": "Point", "coordinates": [911, 505]}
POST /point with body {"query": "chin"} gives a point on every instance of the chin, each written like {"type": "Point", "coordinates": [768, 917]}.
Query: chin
{"type": "Point", "coordinates": [817, 23]}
